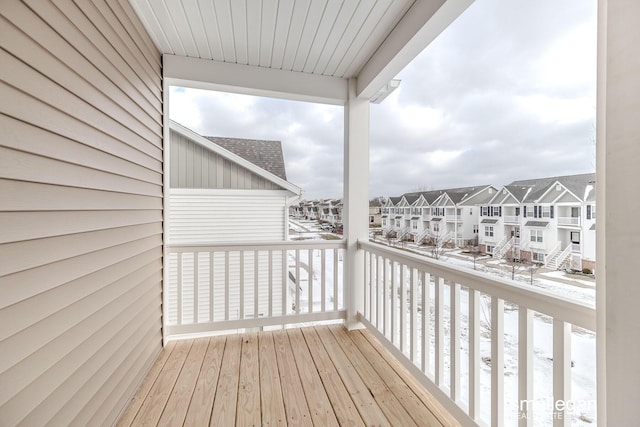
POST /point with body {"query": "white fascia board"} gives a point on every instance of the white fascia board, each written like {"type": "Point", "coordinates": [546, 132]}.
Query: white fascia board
{"type": "Point", "coordinates": [251, 80]}
{"type": "Point", "coordinates": [553, 186]}
{"type": "Point", "coordinates": [229, 192]}
{"type": "Point", "coordinates": [477, 193]}
{"type": "Point", "coordinates": [422, 23]}
{"type": "Point", "coordinates": [209, 145]}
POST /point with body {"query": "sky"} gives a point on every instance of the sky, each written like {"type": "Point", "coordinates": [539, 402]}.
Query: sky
{"type": "Point", "coordinates": [507, 92]}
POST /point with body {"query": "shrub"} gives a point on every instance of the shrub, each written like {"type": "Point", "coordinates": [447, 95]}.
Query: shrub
{"type": "Point", "coordinates": [586, 271]}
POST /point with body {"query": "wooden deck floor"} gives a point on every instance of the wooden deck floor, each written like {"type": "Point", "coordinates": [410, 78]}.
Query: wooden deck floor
{"type": "Point", "coordinates": [322, 376]}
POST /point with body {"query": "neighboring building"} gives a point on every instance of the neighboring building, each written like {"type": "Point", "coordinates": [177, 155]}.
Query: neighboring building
{"type": "Point", "coordinates": [440, 217]}
{"type": "Point", "coordinates": [375, 217]}
{"type": "Point", "coordinates": [546, 220]}
{"type": "Point", "coordinates": [225, 190]}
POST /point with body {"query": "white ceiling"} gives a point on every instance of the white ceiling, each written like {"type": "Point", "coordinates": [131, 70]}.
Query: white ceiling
{"type": "Point", "coordinates": [325, 37]}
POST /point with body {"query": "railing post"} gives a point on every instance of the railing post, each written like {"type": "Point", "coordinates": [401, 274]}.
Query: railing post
{"type": "Point", "coordinates": [356, 189]}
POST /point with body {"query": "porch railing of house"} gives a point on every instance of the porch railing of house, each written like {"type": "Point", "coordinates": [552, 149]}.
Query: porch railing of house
{"type": "Point", "coordinates": [568, 220]}
{"type": "Point", "coordinates": [430, 345]}
{"type": "Point", "coordinates": [510, 219]}
{"type": "Point", "coordinates": [549, 257]}
{"type": "Point", "coordinates": [225, 287]}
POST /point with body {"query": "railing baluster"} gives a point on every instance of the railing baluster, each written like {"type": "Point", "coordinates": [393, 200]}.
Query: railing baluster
{"type": "Point", "coordinates": [561, 373]}
{"type": "Point", "coordinates": [454, 336]}
{"type": "Point", "coordinates": [179, 290]}
{"type": "Point", "coordinates": [525, 366]}
{"type": "Point", "coordinates": [226, 285]}
{"type": "Point", "coordinates": [439, 330]}
{"type": "Point", "coordinates": [474, 354]}
{"type": "Point", "coordinates": [323, 280]}
{"type": "Point", "coordinates": [298, 281]}
{"type": "Point", "coordinates": [211, 286]}
{"type": "Point", "coordinates": [403, 309]}
{"type": "Point", "coordinates": [310, 279]}
{"type": "Point", "coordinates": [387, 298]}
{"type": "Point", "coordinates": [256, 309]}
{"type": "Point", "coordinates": [497, 362]}
{"type": "Point", "coordinates": [426, 326]}
{"type": "Point", "coordinates": [241, 311]}
{"type": "Point", "coordinates": [195, 287]}
{"type": "Point", "coordinates": [367, 281]}
{"type": "Point", "coordinates": [335, 280]}
{"type": "Point", "coordinates": [379, 289]}
{"type": "Point", "coordinates": [270, 308]}
{"type": "Point", "coordinates": [394, 295]}
{"type": "Point", "coordinates": [413, 277]}
{"type": "Point", "coordinates": [285, 281]}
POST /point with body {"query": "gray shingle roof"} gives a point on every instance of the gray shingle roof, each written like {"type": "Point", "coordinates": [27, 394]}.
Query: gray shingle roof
{"type": "Point", "coordinates": [265, 154]}
{"type": "Point", "coordinates": [488, 221]}
{"type": "Point", "coordinates": [536, 224]}
{"type": "Point", "coordinates": [530, 190]}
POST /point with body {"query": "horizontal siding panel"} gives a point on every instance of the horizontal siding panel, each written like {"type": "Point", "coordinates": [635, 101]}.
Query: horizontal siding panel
{"type": "Point", "coordinates": [24, 78]}
{"type": "Point", "coordinates": [82, 207]}
{"type": "Point", "coordinates": [30, 196]}
{"type": "Point", "coordinates": [52, 249]}
{"type": "Point", "coordinates": [25, 108]}
{"type": "Point", "coordinates": [73, 351]}
{"type": "Point", "coordinates": [21, 166]}
{"type": "Point", "coordinates": [51, 276]}
{"type": "Point", "coordinates": [202, 218]}
{"type": "Point", "coordinates": [18, 316]}
{"type": "Point", "coordinates": [85, 37]}
{"type": "Point", "coordinates": [25, 137]}
{"type": "Point", "coordinates": [38, 335]}
{"type": "Point", "coordinates": [79, 77]}
{"type": "Point", "coordinates": [19, 226]}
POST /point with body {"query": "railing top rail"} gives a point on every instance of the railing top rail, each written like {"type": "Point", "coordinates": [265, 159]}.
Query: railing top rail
{"type": "Point", "coordinates": [234, 246]}
{"type": "Point", "coordinates": [560, 308]}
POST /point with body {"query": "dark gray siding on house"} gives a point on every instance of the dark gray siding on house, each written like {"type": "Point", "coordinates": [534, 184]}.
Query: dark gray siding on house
{"type": "Point", "coordinates": [80, 210]}
{"type": "Point", "coordinates": [193, 166]}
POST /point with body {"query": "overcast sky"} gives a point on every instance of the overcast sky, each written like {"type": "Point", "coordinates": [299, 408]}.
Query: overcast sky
{"type": "Point", "coordinates": [506, 92]}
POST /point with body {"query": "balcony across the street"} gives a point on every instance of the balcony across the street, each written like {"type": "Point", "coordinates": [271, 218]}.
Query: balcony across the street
{"type": "Point", "coordinates": [323, 375]}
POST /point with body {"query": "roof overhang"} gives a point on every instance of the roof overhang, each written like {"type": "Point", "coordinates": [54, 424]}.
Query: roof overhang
{"type": "Point", "coordinates": [292, 49]}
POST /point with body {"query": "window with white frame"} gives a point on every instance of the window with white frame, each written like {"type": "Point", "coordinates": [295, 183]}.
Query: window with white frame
{"type": "Point", "coordinates": [488, 230]}
{"type": "Point", "coordinates": [398, 223]}
{"type": "Point", "coordinates": [536, 235]}
{"type": "Point", "coordinates": [384, 222]}
{"type": "Point", "coordinates": [528, 211]}
{"type": "Point", "coordinates": [414, 225]}
{"type": "Point", "coordinates": [593, 211]}
{"type": "Point", "coordinates": [546, 212]}
{"type": "Point", "coordinates": [485, 211]}
{"type": "Point", "coordinates": [436, 228]}
{"type": "Point", "coordinates": [537, 257]}
{"type": "Point", "coordinates": [490, 249]}
{"type": "Point", "coordinates": [459, 212]}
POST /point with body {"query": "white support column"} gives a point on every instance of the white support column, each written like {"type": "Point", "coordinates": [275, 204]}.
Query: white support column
{"type": "Point", "coordinates": [356, 198]}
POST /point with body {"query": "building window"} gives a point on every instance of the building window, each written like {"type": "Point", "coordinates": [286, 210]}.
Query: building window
{"type": "Point", "coordinates": [546, 211]}
{"type": "Point", "coordinates": [536, 236]}
{"type": "Point", "coordinates": [528, 211]}
{"type": "Point", "coordinates": [490, 249]}
{"type": "Point", "coordinates": [436, 228]}
{"type": "Point", "coordinates": [414, 225]}
{"type": "Point", "coordinates": [384, 222]}
{"type": "Point", "coordinates": [459, 212]}
{"type": "Point", "coordinates": [593, 211]}
{"type": "Point", "coordinates": [485, 211]}
{"type": "Point", "coordinates": [475, 229]}
{"type": "Point", "coordinates": [537, 256]}
{"type": "Point", "coordinates": [371, 219]}
{"type": "Point", "coordinates": [575, 237]}
{"type": "Point", "coordinates": [488, 231]}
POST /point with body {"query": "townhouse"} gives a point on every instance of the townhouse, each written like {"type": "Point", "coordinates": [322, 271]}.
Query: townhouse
{"type": "Point", "coordinates": [437, 217]}
{"type": "Point", "coordinates": [550, 221]}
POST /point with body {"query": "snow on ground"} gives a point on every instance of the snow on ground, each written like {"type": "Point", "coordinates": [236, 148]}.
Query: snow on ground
{"type": "Point", "coordinates": [562, 275]}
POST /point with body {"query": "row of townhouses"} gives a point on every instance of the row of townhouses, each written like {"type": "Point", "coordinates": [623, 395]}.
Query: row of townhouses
{"type": "Point", "coordinates": [330, 211]}
{"type": "Point", "coordinates": [550, 221]}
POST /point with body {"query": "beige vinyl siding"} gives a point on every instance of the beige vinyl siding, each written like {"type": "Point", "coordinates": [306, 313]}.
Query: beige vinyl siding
{"type": "Point", "coordinates": [194, 166]}
{"type": "Point", "coordinates": [80, 210]}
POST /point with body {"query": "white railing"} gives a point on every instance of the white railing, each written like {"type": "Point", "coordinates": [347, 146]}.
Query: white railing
{"type": "Point", "coordinates": [499, 245]}
{"type": "Point", "coordinates": [437, 318]}
{"type": "Point", "coordinates": [559, 258]}
{"type": "Point", "coordinates": [510, 219]}
{"type": "Point", "coordinates": [575, 247]}
{"type": "Point", "coordinates": [548, 258]}
{"type": "Point", "coordinates": [499, 253]}
{"type": "Point", "coordinates": [427, 216]}
{"type": "Point", "coordinates": [568, 220]}
{"type": "Point", "coordinates": [402, 234]}
{"type": "Point", "coordinates": [234, 286]}
{"type": "Point", "coordinates": [421, 236]}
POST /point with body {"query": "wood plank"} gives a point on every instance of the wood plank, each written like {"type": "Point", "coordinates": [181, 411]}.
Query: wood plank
{"type": "Point", "coordinates": [224, 405]}
{"type": "Point", "coordinates": [431, 402]}
{"type": "Point", "coordinates": [248, 413]}
{"type": "Point", "coordinates": [143, 391]}
{"type": "Point", "coordinates": [176, 408]}
{"type": "Point", "coordinates": [151, 409]}
{"type": "Point", "coordinates": [201, 404]}
{"type": "Point", "coordinates": [389, 404]}
{"type": "Point", "coordinates": [408, 399]}
{"type": "Point", "coordinates": [317, 399]}
{"type": "Point", "coordinates": [360, 394]}
{"type": "Point", "coordinates": [295, 403]}
{"type": "Point", "coordinates": [343, 407]}
{"type": "Point", "coordinates": [273, 413]}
